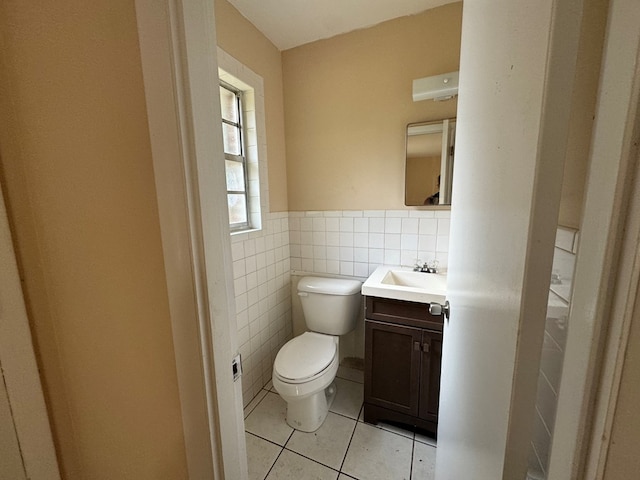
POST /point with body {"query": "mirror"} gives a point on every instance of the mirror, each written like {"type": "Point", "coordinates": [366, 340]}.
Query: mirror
{"type": "Point", "coordinates": [429, 163]}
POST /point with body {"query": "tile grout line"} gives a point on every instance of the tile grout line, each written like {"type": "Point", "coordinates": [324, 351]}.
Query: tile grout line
{"type": "Point", "coordinates": [265, 439]}
{"type": "Point", "coordinates": [350, 440]}
{"type": "Point", "coordinates": [344, 415]}
{"type": "Point", "coordinates": [311, 459]}
{"type": "Point", "coordinates": [273, 464]}
{"type": "Point", "coordinates": [256, 405]}
{"type": "Point", "coordinates": [279, 455]}
{"type": "Point", "coordinates": [413, 435]}
{"type": "Point", "coordinates": [413, 450]}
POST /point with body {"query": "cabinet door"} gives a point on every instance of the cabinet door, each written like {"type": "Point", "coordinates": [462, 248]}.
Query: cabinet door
{"type": "Point", "coordinates": [430, 374]}
{"type": "Point", "coordinates": [392, 366]}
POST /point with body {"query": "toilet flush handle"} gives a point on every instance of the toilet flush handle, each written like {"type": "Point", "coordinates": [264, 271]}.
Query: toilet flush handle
{"type": "Point", "coordinates": [303, 294]}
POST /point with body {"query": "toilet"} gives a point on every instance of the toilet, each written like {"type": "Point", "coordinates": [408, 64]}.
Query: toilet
{"type": "Point", "coordinates": [306, 366]}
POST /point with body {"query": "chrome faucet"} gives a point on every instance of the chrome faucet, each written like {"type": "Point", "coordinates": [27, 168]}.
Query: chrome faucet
{"type": "Point", "coordinates": [426, 267]}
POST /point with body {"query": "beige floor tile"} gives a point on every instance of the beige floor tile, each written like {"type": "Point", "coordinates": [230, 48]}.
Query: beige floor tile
{"type": "Point", "coordinates": [388, 427]}
{"type": "Point", "coordinates": [351, 374]}
{"type": "Point", "coordinates": [426, 439]}
{"type": "Point", "coordinates": [349, 398]}
{"type": "Point", "coordinates": [424, 462]}
{"type": "Point", "coordinates": [291, 466]}
{"type": "Point", "coordinates": [268, 420]}
{"type": "Point", "coordinates": [395, 429]}
{"type": "Point", "coordinates": [261, 455]}
{"type": "Point", "coordinates": [378, 454]}
{"type": "Point", "coordinates": [253, 403]}
{"type": "Point", "coordinates": [327, 445]}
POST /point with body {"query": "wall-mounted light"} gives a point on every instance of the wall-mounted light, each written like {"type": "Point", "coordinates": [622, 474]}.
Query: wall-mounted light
{"type": "Point", "coordinates": [438, 87]}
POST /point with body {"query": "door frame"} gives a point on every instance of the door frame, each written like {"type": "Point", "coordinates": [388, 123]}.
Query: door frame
{"type": "Point", "coordinates": [19, 368]}
{"type": "Point", "coordinates": [607, 264]}
{"type": "Point", "coordinates": [180, 73]}
{"type": "Point", "coordinates": [179, 65]}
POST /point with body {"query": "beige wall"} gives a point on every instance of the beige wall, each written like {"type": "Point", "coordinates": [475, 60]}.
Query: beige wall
{"type": "Point", "coordinates": [239, 38]}
{"type": "Point", "coordinates": [77, 174]}
{"type": "Point", "coordinates": [348, 102]}
{"type": "Point", "coordinates": [583, 112]}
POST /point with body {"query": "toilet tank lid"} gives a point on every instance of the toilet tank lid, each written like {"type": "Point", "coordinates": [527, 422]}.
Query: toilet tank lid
{"type": "Point", "coordinates": [329, 286]}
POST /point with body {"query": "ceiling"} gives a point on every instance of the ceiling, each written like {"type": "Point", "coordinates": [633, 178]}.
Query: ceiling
{"type": "Point", "coordinates": [290, 23]}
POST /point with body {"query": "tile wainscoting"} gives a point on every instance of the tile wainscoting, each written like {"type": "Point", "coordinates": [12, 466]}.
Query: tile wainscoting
{"type": "Point", "coordinates": [354, 242]}
{"type": "Point", "coordinates": [349, 243]}
{"type": "Point", "coordinates": [553, 348]}
{"type": "Point", "coordinates": [262, 283]}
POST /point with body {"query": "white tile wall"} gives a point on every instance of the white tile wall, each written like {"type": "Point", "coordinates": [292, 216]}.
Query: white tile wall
{"type": "Point", "coordinates": [355, 242]}
{"type": "Point", "coordinates": [261, 258]}
{"type": "Point", "coordinates": [262, 280]}
{"type": "Point", "coordinates": [553, 350]}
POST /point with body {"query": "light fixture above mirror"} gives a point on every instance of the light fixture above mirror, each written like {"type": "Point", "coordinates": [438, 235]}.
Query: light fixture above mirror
{"type": "Point", "coordinates": [437, 88]}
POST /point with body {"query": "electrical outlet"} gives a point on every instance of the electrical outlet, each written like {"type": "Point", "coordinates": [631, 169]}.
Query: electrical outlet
{"type": "Point", "coordinates": [236, 365]}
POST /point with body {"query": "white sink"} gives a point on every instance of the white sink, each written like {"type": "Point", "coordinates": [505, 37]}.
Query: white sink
{"type": "Point", "coordinates": [401, 283]}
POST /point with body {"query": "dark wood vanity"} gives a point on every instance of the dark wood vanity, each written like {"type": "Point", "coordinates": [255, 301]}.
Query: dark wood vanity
{"type": "Point", "coordinates": [403, 350]}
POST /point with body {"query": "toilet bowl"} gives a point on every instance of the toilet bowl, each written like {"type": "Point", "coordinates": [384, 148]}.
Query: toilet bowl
{"type": "Point", "coordinates": [305, 385]}
{"type": "Point", "coordinates": [306, 366]}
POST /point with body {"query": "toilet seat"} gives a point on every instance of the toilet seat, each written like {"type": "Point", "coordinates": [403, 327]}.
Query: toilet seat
{"type": "Point", "coordinates": [305, 357]}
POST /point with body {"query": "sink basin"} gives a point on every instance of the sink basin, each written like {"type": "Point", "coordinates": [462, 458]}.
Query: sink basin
{"type": "Point", "coordinates": [406, 278]}
{"type": "Point", "coordinates": [404, 284]}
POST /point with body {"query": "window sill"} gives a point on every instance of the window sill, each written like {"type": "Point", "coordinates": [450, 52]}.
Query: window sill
{"type": "Point", "coordinates": [249, 230]}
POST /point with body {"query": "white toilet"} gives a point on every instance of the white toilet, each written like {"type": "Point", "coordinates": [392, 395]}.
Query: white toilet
{"type": "Point", "coordinates": [306, 366]}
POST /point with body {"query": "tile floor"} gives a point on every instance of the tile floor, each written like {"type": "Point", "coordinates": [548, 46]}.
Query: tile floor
{"type": "Point", "coordinates": [343, 448]}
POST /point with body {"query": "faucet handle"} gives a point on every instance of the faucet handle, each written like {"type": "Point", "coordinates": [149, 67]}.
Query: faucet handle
{"type": "Point", "coordinates": [432, 266]}
{"type": "Point", "coordinates": [417, 267]}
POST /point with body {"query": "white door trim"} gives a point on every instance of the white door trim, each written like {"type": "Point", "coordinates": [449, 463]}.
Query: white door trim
{"type": "Point", "coordinates": [607, 269]}
{"type": "Point", "coordinates": [20, 370]}
{"type": "Point", "coordinates": [179, 63]}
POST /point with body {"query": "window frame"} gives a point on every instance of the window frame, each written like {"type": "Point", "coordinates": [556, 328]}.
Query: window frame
{"type": "Point", "coordinates": [242, 158]}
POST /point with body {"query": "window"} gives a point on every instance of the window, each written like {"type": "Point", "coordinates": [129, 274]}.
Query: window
{"type": "Point", "coordinates": [235, 157]}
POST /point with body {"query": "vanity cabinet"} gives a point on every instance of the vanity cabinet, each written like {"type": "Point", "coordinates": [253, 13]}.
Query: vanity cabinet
{"type": "Point", "coordinates": [403, 350]}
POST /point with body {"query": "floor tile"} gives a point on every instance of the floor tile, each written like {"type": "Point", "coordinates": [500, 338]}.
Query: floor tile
{"type": "Point", "coordinates": [261, 455]}
{"type": "Point", "coordinates": [352, 374]}
{"type": "Point", "coordinates": [291, 466]}
{"type": "Point", "coordinates": [395, 429]}
{"type": "Point", "coordinates": [253, 403]}
{"type": "Point", "coordinates": [345, 477]}
{"type": "Point", "coordinates": [424, 462]}
{"type": "Point", "coordinates": [422, 438]}
{"type": "Point", "coordinates": [349, 398]}
{"type": "Point", "coordinates": [375, 453]}
{"type": "Point", "coordinates": [268, 420]}
{"type": "Point", "coordinates": [388, 427]}
{"type": "Point", "coordinates": [327, 445]}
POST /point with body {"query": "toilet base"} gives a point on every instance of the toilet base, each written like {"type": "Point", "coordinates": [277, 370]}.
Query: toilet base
{"type": "Point", "coordinates": [308, 414]}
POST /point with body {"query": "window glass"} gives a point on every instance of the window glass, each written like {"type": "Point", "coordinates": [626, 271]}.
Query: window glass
{"type": "Point", "coordinates": [237, 208]}
{"type": "Point", "coordinates": [235, 160]}
{"type": "Point", "coordinates": [229, 105]}
{"type": "Point", "coordinates": [231, 138]}
{"type": "Point", "coordinates": [235, 176]}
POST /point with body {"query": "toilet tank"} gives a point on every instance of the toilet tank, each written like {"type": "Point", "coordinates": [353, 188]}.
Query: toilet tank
{"type": "Point", "coordinates": [330, 305]}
